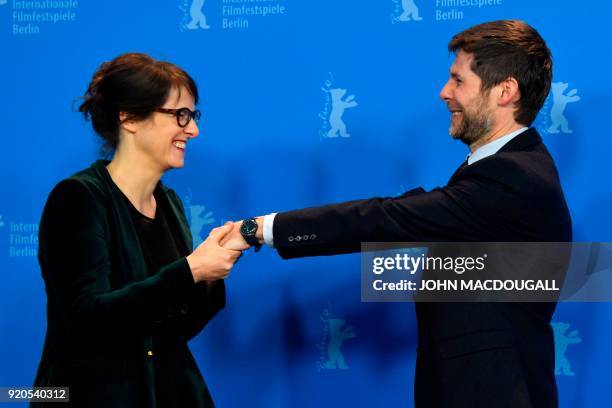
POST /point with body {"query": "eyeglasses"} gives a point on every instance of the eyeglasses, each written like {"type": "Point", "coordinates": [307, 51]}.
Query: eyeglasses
{"type": "Point", "coordinates": [183, 115]}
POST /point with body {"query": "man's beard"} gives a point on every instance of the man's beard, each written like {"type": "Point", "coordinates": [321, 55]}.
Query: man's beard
{"type": "Point", "coordinates": [474, 125]}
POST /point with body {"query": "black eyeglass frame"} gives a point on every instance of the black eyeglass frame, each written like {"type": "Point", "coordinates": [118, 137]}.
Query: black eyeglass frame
{"type": "Point", "coordinates": [195, 115]}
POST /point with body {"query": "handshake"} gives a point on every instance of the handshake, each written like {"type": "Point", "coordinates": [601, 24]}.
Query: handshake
{"type": "Point", "coordinates": [214, 258]}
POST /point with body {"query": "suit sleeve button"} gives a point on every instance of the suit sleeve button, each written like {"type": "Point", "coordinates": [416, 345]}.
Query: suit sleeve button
{"type": "Point", "coordinates": [290, 239]}
{"type": "Point", "coordinates": [313, 236]}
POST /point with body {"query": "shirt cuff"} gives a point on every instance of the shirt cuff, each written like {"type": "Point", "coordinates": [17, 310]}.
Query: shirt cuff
{"type": "Point", "coordinates": [268, 234]}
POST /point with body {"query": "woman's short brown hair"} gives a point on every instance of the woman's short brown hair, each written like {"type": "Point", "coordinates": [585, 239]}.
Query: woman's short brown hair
{"type": "Point", "coordinates": [135, 84]}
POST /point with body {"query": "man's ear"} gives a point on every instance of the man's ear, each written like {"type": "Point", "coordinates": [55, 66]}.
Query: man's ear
{"type": "Point", "coordinates": [509, 92]}
{"type": "Point", "coordinates": [129, 125]}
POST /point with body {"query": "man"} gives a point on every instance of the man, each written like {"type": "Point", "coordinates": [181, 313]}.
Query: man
{"type": "Point", "coordinates": [469, 354]}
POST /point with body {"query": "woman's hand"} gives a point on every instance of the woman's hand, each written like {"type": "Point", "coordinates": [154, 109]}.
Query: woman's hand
{"type": "Point", "coordinates": [210, 261]}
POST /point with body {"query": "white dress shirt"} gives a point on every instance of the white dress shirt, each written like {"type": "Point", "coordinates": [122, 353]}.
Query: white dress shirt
{"type": "Point", "coordinates": [480, 153]}
{"type": "Point", "coordinates": [493, 147]}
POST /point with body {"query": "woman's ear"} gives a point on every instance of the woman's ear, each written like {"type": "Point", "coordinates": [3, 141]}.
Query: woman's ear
{"type": "Point", "coordinates": [129, 125]}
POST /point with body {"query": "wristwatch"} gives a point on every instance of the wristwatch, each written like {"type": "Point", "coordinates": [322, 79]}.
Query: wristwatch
{"type": "Point", "coordinates": [248, 229]}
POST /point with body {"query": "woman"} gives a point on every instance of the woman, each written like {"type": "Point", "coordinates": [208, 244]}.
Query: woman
{"type": "Point", "coordinates": [125, 292]}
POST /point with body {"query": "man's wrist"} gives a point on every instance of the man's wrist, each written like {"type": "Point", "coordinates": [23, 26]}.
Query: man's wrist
{"type": "Point", "coordinates": [259, 232]}
{"type": "Point", "coordinates": [268, 229]}
{"type": "Point", "coordinates": [251, 231]}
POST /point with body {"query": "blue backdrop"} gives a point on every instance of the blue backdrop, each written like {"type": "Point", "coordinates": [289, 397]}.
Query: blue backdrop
{"type": "Point", "coordinates": [280, 81]}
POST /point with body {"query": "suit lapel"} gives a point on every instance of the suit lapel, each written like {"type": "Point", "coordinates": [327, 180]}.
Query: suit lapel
{"type": "Point", "coordinates": [525, 140]}
{"type": "Point", "coordinates": [528, 138]}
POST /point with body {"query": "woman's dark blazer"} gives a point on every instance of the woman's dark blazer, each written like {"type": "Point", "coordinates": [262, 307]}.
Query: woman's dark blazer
{"type": "Point", "coordinates": [103, 305]}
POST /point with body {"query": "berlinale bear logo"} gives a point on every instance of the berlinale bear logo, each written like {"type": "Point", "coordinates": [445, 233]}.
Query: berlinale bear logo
{"type": "Point", "coordinates": [406, 11]}
{"type": "Point", "coordinates": [198, 19]}
{"type": "Point", "coordinates": [562, 340]}
{"type": "Point", "coordinates": [198, 219]}
{"type": "Point", "coordinates": [335, 333]}
{"type": "Point", "coordinates": [339, 105]}
{"type": "Point", "coordinates": [333, 110]}
{"type": "Point", "coordinates": [410, 11]}
{"type": "Point", "coordinates": [560, 101]}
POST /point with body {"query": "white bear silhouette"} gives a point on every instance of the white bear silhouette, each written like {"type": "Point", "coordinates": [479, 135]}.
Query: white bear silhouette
{"type": "Point", "coordinates": [560, 101]}
{"type": "Point", "coordinates": [335, 358]}
{"type": "Point", "coordinates": [562, 340]}
{"type": "Point", "coordinates": [197, 16]}
{"type": "Point", "coordinates": [410, 9]}
{"type": "Point", "coordinates": [199, 220]}
{"type": "Point", "coordinates": [338, 106]}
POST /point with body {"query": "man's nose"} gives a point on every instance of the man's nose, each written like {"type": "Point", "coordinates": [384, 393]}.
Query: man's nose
{"type": "Point", "coordinates": [445, 93]}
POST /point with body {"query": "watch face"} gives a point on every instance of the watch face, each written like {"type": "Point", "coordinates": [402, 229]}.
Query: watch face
{"type": "Point", "coordinates": [248, 227]}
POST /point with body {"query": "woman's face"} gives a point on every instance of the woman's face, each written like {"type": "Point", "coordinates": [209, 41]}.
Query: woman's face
{"type": "Point", "coordinates": [160, 139]}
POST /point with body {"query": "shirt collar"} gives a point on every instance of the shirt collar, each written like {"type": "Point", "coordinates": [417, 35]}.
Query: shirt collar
{"type": "Point", "coordinates": [493, 147]}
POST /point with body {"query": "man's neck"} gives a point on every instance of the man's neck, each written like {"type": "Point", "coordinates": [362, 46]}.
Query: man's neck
{"type": "Point", "coordinates": [495, 134]}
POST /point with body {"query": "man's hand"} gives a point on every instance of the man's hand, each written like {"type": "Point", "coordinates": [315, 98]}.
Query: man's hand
{"type": "Point", "coordinates": [210, 261]}
{"type": "Point", "coordinates": [234, 239]}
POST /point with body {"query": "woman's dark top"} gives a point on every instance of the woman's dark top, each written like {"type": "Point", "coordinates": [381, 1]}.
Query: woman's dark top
{"type": "Point", "coordinates": [121, 300]}
{"type": "Point", "coordinates": [159, 248]}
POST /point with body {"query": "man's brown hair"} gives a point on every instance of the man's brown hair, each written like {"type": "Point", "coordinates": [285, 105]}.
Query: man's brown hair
{"type": "Point", "coordinates": [509, 48]}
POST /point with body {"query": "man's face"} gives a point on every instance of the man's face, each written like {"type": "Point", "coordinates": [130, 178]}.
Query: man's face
{"type": "Point", "coordinates": [471, 111]}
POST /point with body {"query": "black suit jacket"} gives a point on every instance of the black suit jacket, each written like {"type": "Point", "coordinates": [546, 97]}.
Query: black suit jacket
{"type": "Point", "coordinates": [469, 354]}
{"type": "Point", "coordinates": [102, 305]}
